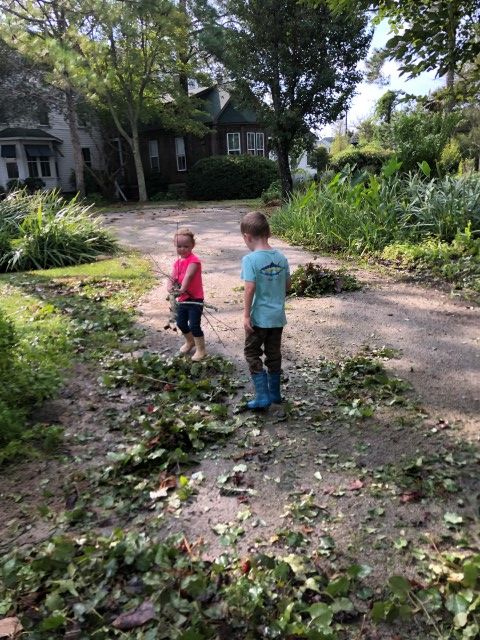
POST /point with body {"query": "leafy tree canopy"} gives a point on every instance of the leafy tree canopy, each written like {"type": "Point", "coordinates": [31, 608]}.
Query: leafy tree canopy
{"type": "Point", "coordinates": [299, 63]}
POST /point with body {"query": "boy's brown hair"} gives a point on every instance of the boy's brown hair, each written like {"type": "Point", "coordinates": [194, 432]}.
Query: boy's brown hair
{"type": "Point", "coordinates": [256, 224]}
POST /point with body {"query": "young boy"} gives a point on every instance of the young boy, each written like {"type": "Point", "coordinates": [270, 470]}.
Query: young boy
{"type": "Point", "coordinates": [266, 274]}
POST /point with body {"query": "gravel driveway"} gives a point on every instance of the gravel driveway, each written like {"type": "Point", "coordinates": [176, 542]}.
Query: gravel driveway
{"type": "Point", "coordinates": [438, 337]}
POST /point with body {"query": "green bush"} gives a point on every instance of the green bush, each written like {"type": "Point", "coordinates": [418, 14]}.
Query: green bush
{"type": "Point", "coordinates": [43, 230]}
{"type": "Point", "coordinates": [28, 375]}
{"type": "Point", "coordinates": [11, 415]}
{"type": "Point", "coordinates": [273, 193]}
{"type": "Point", "coordinates": [364, 158]}
{"type": "Point", "coordinates": [450, 157]}
{"type": "Point", "coordinates": [230, 177]}
{"type": "Point", "coordinates": [156, 183]}
{"type": "Point", "coordinates": [319, 158]}
{"type": "Point", "coordinates": [420, 135]}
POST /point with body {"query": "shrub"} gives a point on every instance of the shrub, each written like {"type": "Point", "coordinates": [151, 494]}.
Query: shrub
{"type": "Point", "coordinates": [10, 414]}
{"type": "Point", "coordinates": [273, 194]}
{"type": "Point", "coordinates": [229, 177]}
{"type": "Point", "coordinates": [318, 159]}
{"type": "Point", "coordinates": [450, 157]}
{"type": "Point", "coordinates": [30, 184]}
{"type": "Point", "coordinates": [33, 184]}
{"type": "Point", "coordinates": [156, 183]}
{"type": "Point", "coordinates": [367, 158]}
{"type": "Point", "coordinates": [43, 230]}
{"type": "Point", "coordinates": [420, 135]}
{"type": "Point", "coordinates": [14, 185]}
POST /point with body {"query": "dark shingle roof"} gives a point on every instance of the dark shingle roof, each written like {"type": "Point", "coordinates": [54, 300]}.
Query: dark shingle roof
{"type": "Point", "coordinates": [21, 132]}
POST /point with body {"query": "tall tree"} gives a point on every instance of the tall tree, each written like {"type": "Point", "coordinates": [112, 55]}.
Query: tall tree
{"type": "Point", "coordinates": [25, 90]}
{"type": "Point", "coordinates": [41, 30]}
{"type": "Point", "coordinates": [128, 60]}
{"type": "Point", "coordinates": [295, 64]}
{"type": "Point", "coordinates": [427, 35]}
{"type": "Point", "coordinates": [438, 35]}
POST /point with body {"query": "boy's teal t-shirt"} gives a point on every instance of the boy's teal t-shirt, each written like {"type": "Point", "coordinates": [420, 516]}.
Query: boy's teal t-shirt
{"type": "Point", "coordinates": [269, 269]}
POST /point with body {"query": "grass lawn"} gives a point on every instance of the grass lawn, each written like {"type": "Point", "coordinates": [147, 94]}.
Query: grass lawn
{"type": "Point", "coordinates": [60, 316]}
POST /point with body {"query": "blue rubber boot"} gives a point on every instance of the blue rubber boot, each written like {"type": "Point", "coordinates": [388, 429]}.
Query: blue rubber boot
{"type": "Point", "coordinates": [274, 387]}
{"type": "Point", "coordinates": [262, 397]}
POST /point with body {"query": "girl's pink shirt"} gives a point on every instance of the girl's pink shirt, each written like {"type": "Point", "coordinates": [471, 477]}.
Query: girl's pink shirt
{"type": "Point", "coordinates": [195, 288]}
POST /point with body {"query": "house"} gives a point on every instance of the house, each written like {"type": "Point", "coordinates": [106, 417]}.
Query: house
{"type": "Point", "coordinates": [43, 149]}
{"type": "Point", "coordinates": [168, 157]}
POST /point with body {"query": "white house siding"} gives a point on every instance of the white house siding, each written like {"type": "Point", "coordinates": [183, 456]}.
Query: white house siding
{"type": "Point", "coordinates": [90, 138]}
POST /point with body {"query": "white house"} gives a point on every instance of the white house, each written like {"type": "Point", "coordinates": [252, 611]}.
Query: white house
{"type": "Point", "coordinates": [43, 149]}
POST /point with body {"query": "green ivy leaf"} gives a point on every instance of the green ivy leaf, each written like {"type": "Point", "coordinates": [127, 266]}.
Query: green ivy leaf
{"type": "Point", "coordinates": [399, 585]}
{"type": "Point", "coordinates": [452, 518]}
{"type": "Point", "coordinates": [321, 613]}
{"type": "Point", "coordinates": [455, 603]}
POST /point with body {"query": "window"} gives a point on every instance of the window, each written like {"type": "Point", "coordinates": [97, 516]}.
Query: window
{"type": "Point", "coordinates": [39, 166]}
{"type": "Point", "coordinates": [180, 153]}
{"type": "Point", "coordinates": [45, 170]}
{"type": "Point", "coordinates": [9, 151]}
{"type": "Point", "coordinates": [33, 167]}
{"type": "Point", "coordinates": [233, 144]}
{"type": "Point", "coordinates": [256, 144]}
{"type": "Point", "coordinates": [260, 140]}
{"type": "Point", "coordinates": [12, 170]}
{"type": "Point", "coordinates": [38, 159]}
{"type": "Point", "coordinates": [87, 156]}
{"type": "Point", "coordinates": [153, 153]}
{"type": "Point", "coordinates": [42, 115]}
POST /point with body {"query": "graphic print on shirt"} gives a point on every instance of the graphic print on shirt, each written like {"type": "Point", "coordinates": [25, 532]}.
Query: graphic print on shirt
{"type": "Point", "coordinates": [272, 270]}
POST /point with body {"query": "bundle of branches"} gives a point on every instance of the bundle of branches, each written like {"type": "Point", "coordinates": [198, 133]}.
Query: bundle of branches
{"type": "Point", "coordinates": [313, 280]}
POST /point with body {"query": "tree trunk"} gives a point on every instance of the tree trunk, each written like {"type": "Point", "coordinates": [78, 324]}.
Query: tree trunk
{"type": "Point", "coordinates": [137, 157]}
{"type": "Point", "coordinates": [453, 22]}
{"type": "Point", "coordinates": [183, 52]}
{"type": "Point", "coordinates": [76, 144]}
{"type": "Point", "coordinates": [284, 169]}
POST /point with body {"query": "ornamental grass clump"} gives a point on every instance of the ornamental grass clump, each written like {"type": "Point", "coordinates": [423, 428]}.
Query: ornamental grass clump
{"type": "Point", "coordinates": [44, 230]}
{"type": "Point", "coordinates": [362, 214]}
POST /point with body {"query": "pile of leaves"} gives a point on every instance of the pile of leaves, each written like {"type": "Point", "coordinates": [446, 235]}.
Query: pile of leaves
{"type": "Point", "coordinates": [129, 586]}
{"type": "Point", "coordinates": [179, 409]}
{"type": "Point", "coordinates": [312, 280]}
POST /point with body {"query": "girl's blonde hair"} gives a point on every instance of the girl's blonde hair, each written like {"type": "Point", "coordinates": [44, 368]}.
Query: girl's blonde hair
{"type": "Point", "coordinates": [185, 231]}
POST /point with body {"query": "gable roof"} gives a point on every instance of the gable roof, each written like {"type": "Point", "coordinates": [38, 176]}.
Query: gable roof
{"type": "Point", "coordinates": [220, 108]}
{"type": "Point", "coordinates": [21, 132]}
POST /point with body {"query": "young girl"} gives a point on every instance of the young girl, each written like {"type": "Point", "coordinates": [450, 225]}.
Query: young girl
{"type": "Point", "coordinates": [187, 278]}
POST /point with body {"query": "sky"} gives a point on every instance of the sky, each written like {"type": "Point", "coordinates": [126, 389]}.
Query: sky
{"type": "Point", "coordinates": [367, 95]}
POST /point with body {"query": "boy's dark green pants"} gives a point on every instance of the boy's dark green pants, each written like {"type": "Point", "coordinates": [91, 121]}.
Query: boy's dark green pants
{"type": "Point", "coordinates": [266, 342]}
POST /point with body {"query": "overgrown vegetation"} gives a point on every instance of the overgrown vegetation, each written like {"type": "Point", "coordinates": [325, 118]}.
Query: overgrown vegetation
{"type": "Point", "coordinates": [312, 280]}
{"type": "Point", "coordinates": [229, 177]}
{"type": "Point", "coordinates": [43, 230]}
{"type": "Point", "coordinates": [369, 215]}
{"type": "Point", "coordinates": [49, 317]}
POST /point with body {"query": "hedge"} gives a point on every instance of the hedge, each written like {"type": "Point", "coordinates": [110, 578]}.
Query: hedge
{"type": "Point", "coordinates": [370, 158]}
{"type": "Point", "coordinates": [229, 177]}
